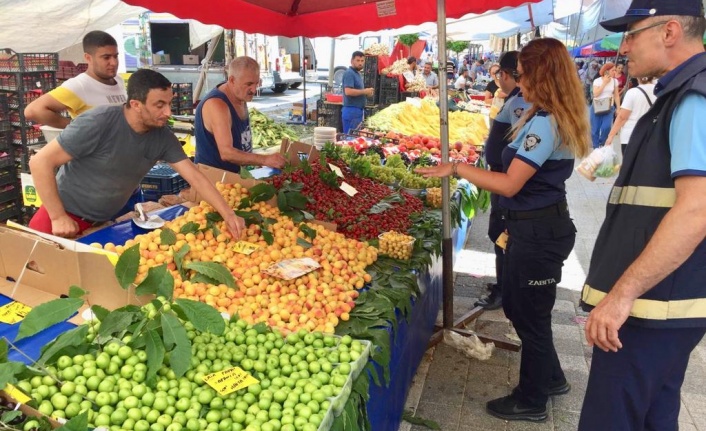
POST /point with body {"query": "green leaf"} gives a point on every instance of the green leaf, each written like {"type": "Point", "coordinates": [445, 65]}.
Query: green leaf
{"type": "Point", "coordinates": [379, 207]}
{"type": "Point", "coordinates": [250, 217]}
{"type": "Point", "coordinates": [297, 200]}
{"type": "Point", "coordinates": [116, 321]}
{"type": "Point", "coordinates": [99, 312]}
{"type": "Point", "coordinates": [213, 270]}
{"type": "Point", "coordinates": [201, 278]}
{"type": "Point", "coordinates": [3, 350]}
{"type": "Point", "coordinates": [311, 233]}
{"type": "Point", "coordinates": [304, 243]}
{"type": "Point", "coordinates": [245, 174]}
{"type": "Point", "coordinates": [190, 227]}
{"type": "Point", "coordinates": [76, 423]}
{"type": "Point", "coordinates": [159, 281]}
{"type": "Point", "coordinates": [282, 201]}
{"type": "Point", "coordinates": [10, 415]}
{"type": "Point", "coordinates": [262, 192]}
{"type": "Point", "coordinates": [244, 203]}
{"type": "Point", "coordinates": [72, 338]}
{"type": "Point", "coordinates": [76, 292]}
{"type": "Point", "coordinates": [267, 236]}
{"type": "Point", "coordinates": [179, 257]}
{"type": "Point", "coordinates": [204, 317]}
{"type": "Point", "coordinates": [214, 217]}
{"type": "Point", "coordinates": [126, 268]}
{"type": "Point", "coordinates": [180, 358]}
{"type": "Point", "coordinates": [167, 236]}
{"type": "Point", "coordinates": [9, 372]}
{"type": "Point", "coordinates": [261, 328]}
{"type": "Point", "coordinates": [45, 315]}
{"type": "Point", "coordinates": [155, 353]}
{"type": "Point", "coordinates": [173, 331]}
{"type": "Point", "coordinates": [409, 417]}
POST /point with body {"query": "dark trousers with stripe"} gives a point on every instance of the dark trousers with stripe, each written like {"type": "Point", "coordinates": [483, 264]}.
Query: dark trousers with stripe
{"type": "Point", "coordinates": [638, 388]}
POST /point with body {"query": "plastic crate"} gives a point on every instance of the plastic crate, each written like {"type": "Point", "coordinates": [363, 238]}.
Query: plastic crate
{"type": "Point", "coordinates": [8, 192]}
{"type": "Point", "coordinates": [4, 106]}
{"type": "Point", "coordinates": [8, 176]}
{"type": "Point", "coordinates": [162, 180]}
{"type": "Point", "coordinates": [389, 82]}
{"type": "Point", "coordinates": [371, 65]}
{"type": "Point", "coordinates": [11, 61]}
{"type": "Point", "coordinates": [6, 160]}
{"type": "Point", "coordinates": [388, 97]}
{"type": "Point", "coordinates": [10, 210]}
{"type": "Point", "coordinates": [31, 136]}
{"type": "Point", "coordinates": [15, 101]}
{"type": "Point", "coordinates": [405, 94]}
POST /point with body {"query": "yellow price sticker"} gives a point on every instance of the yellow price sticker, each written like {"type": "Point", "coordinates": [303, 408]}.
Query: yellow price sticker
{"type": "Point", "coordinates": [17, 394]}
{"type": "Point", "coordinates": [230, 380]}
{"type": "Point", "coordinates": [244, 247]}
{"type": "Point", "coordinates": [13, 312]}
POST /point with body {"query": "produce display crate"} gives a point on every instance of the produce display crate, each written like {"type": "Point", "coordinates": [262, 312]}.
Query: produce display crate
{"type": "Point", "coordinates": [11, 61]}
{"type": "Point", "coordinates": [4, 107]}
{"type": "Point", "coordinates": [7, 176]}
{"type": "Point", "coordinates": [405, 94]}
{"type": "Point", "coordinates": [15, 101]}
{"type": "Point", "coordinates": [5, 138]}
{"type": "Point", "coordinates": [388, 96]}
{"type": "Point", "coordinates": [371, 65]}
{"type": "Point", "coordinates": [31, 136]}
{"type": "Point", "coordinates": [8, 193]}
{"type": "Point", "coordinates": [10, 210]}
{"type": "Point", "coordinates": [183, 87]}
{"type": "Point", "coordinates": [161, 180]}
{"type": "Point", "coordinates": [6, 160]}
{"type": "Point", "coordinates": [389, 82]}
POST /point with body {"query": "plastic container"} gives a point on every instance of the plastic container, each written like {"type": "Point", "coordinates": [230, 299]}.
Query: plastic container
{"type": "Point", "coordinates": [413, 192]}
{"type": "Point", "coordinates": [28, 62]}
{"type": "Point", "coordinates": [334, 98]}
{"type": "Point", "coordinates": [386, 247]}
{"type": "Point", "coordinates": [50, 133]}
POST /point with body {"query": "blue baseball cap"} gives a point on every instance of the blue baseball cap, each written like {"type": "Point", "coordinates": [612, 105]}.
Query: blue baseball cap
{"type": "Point", "coordinates": [642, 9]}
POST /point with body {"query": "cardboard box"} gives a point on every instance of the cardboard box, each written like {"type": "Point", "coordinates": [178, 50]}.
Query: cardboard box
{"type": "Point", "coordinates": [191, 59]}
{"type": "Point", "coordinates": [295, 151]}
{"type": "Point", "coordinates": [35, 269]}
{"type": "Point", "coordinates": [161, 59]}
{"type": "Point", "coordinates": [29, 411]}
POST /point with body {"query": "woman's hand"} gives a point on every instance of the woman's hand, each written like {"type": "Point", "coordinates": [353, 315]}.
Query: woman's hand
{"type": "Point", "coordinates": [441, 170]}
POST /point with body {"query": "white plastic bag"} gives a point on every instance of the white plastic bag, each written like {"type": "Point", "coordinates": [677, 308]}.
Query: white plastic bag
{"type": "Point", "coordinates": [602, 162]}
{"type": "Point", "coordinates": [471, 346]}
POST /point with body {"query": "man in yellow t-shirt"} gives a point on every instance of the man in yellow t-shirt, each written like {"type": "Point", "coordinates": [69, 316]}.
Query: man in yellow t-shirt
{"type": "Point", "coordinates": [99, 85]}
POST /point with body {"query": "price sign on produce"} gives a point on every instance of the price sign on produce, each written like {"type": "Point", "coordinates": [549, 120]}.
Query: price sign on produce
{"type": "Point", "coordinates": [348, 189]}
{"type": "Point", "coordinates": [244, 247]}
{"type": "Point", "coordinates": [17, 394]}
{"type": "Point", "coordinates": [13, 312]}
{"type": "Point", "coordinates": [336, 169]}
{"type": "Point", "coordinates": [228, 381]}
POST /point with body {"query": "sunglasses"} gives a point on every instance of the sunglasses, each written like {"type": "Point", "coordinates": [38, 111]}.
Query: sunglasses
{"type": "Point", "coordinates": [516, 75]}
{"type": "Point", "coordinates": [630, 35]}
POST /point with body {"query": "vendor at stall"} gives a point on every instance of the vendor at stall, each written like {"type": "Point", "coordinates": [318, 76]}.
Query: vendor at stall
{"type": "Point", "coordinates": [104, 154]}
{"type": "Point", "coordinates": [430, 77]}
{"type": "Point", "coordinates": [354, 95]}
{"type": "Point", "coordinates": [222, 124]}
{"type": "Point", "coordinates": [462, 82]}
{"type": "Point", "coordinates": [412, 72]}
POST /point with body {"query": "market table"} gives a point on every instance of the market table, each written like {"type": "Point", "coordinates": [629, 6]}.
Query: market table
{"type": "Point", "coordinates": [408, 343]}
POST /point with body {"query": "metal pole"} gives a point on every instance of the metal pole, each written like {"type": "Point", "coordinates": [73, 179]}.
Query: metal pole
{"type": "Point", "coordinates": [446, 244]}
{"type": "Point", "coordinates": [332, 63]}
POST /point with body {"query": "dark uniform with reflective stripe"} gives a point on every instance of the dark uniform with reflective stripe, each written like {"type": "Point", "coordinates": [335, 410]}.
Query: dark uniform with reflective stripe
{"type": "Point", "coordinates": [541, 236]}
{"type": "Point", "coordinates": [638, 387]}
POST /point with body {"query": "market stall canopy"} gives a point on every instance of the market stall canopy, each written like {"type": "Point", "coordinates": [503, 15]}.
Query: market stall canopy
{"type": "Point", "coordinates": [511, 21]}
{"type": "Point", "coordinates": [77, 17]}
{"type": "Point", "coordinates": [314, 18]}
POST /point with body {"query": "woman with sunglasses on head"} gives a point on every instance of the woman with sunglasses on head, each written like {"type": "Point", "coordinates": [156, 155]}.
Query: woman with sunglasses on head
{"type": "Point", "coordinates": [605, 95]}
{"type": "Point", "coordinates": [536, 165]}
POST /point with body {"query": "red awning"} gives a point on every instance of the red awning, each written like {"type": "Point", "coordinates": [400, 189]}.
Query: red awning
{"type": "Point", "coordinates": [314, 18]}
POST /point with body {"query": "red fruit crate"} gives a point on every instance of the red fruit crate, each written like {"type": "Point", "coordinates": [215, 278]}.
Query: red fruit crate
{"type": "Point", "coordinates": [14, 101]}
{"type": "Point", "coordinates": [34, 136]}
{"type": "Point", "coordinates": [11, 61]}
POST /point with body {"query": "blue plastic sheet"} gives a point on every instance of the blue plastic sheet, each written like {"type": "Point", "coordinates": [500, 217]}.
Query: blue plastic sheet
{"type": "Point", "coordinates": [119, 233]}
{"type": "Point", "coordinates": [30, 346]}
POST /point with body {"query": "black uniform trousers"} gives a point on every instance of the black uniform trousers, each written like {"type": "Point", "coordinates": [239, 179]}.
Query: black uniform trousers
{"type": "Point", "coordinates": [535, 254]}
{"type": "Point", "coordinates": [496, 226]}
{"type": "Point", "coordinates": [638, 387]}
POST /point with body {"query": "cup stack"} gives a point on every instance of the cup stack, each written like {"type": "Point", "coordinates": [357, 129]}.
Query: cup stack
{"type": "Point", "coordinates": [323, 135]}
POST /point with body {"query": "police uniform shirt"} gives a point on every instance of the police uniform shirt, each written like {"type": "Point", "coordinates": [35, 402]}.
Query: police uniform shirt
{"type": "Point", "coordinates": [687, 137]}
{"type": "Point", "coordinates": [538, 145]}
{"type": "Point", "coordinates": [510, 113]}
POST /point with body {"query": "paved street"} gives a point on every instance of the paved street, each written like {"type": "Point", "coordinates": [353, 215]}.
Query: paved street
{"type": "Point", "coordinates": [269, 102]}
{"type": "Point", "coordinates": [452, 390]}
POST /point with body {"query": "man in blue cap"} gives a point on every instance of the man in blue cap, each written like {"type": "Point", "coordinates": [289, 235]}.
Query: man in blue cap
{"type": "Point", "coordinates": [645, 285]}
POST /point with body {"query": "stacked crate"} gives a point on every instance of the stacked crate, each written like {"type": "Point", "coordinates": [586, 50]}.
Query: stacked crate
{"type": "Point", "coordinates": [10, 207]}
{"type": "Point", "coordinates": [24, 77]}
{"type": "Point", "coordinates": [329, 115]}
{"type": "Point", "coordinates": [182, 103]}
{"type": "Point", "coordinates": [371, 78]}
{"type": "Point", "coordinates": [389, 91]}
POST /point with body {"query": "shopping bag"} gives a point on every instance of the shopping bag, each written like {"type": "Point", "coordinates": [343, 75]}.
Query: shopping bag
{"type": "Point", "coordinates": [602, 105]}
{"type": "Point", "coordinates": [602, 162]}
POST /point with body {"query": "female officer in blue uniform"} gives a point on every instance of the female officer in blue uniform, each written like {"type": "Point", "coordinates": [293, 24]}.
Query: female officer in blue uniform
{"type": "Point", "coordinates": [541, 234]}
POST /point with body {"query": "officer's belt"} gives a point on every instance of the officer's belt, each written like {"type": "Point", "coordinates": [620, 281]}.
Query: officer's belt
{"type": "Point", "coordinates": [654, 309]}
{"type": "Point", "coordinates": [660, 197]}
{"type": "Point", "coordinates": [560, 208]}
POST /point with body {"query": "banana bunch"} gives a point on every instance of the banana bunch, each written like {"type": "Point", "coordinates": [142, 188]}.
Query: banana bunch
{"type": "Point", "coordinates": [267, 133]}
{"type": "Point", "coordinates": [410, 119]}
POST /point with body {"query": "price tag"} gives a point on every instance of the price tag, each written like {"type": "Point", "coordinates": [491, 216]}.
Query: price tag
{"type": "Point", "coordinates": [349, 189]}
{"type": "Point", "coordinates": [13, 312]}
{"type": "Point", "coordinates": [244, 247]}
{"type": "Point", "coordinates": [230, 380]}
{"type": "Point", "coordinates": [17, 394]}
{"type": "Point", "coordinates": [336, 169]}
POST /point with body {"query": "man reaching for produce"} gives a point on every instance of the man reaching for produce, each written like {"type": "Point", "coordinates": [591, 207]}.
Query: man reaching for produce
{"type": "Point", "coordinates": [104, 154]}
{"type": "Point", "coordinates": [354, 95]}
{"type": "Point", "coordinates": [222, 124]}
